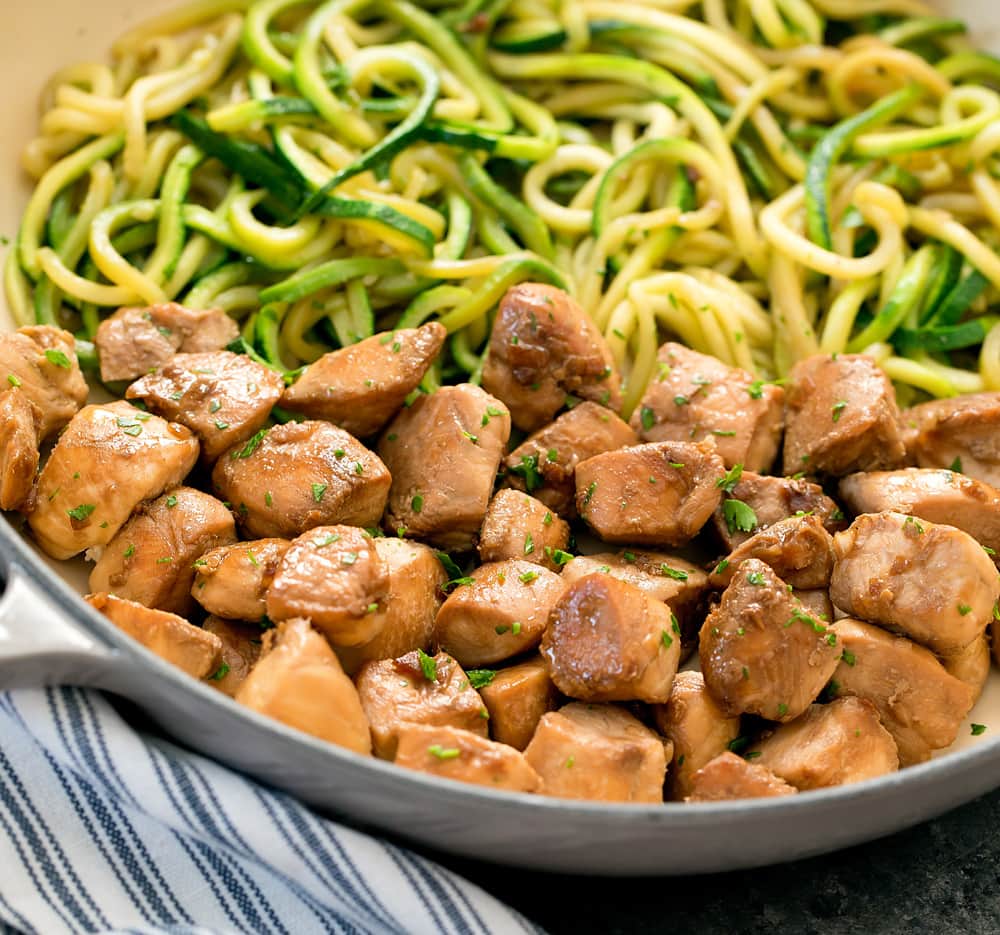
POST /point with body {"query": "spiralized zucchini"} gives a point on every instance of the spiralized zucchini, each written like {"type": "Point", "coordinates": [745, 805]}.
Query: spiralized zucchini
{"type": "Point", "coordinates": [759, 179]}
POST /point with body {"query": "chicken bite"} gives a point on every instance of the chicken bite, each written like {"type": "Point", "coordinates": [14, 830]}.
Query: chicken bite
{"type": "Point", "coordinates": [918, 702]}
{"type": "Point", "coordinates": [609, 641]}
{"type": "Point", "coordinates": [655, 494]}
{"type": "Point", "coordinates": [134, 341]}
{"type": "Point", "coordinates": [299, 682]}
{"type": "Point", "coordinates": [933, 583]}
{"type": "Point", "coordinates": [443, 453]}
{"type": "Point", "coordinates": [241, 648]}
{"type": "Point", "coordinates": [362, 386]}
{"type": "Point", "coordinates": [971, 665]}
{"type": "Point", "coordinates": [418, 689]}
{"type": "Point", "coordinates": [466, 757]}
{"type": "Point", "coordinates": [544, 347]}
{"type": "Point", "coordinates": [500, 613]}
{"type": "Point", "coordinates": [518, 526]}
{"type": "Point", "coordinates": [231, 581]}
{"type": "Point", "coordinates": [516, 698]}
{"type": "Point", "coordinates": [291, 478]}
{"type": "Point", "coordinates": [695, 397]}
{"type": "Point", "coordinates": [729, 777]}
{"type": "Point", "coordinates": [172, 638]}
{"type": "Point", "coordinates": [20, 419]}
{"type": "Point", "coordinates": [109, 460]}
{"type": "Point", "coordinates": [598, 752]}
{"type": "Point", "coordinates": [761, 652]}
{"type": "Point", "coordinates": [151, 558]}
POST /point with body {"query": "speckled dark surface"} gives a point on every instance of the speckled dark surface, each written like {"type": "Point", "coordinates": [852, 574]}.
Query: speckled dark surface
{"type": "Point", "coordinates": [937, 879]}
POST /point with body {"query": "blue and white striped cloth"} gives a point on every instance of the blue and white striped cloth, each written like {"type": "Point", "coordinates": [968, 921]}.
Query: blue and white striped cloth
{"type": "Point", "coordinates": [106, 830]}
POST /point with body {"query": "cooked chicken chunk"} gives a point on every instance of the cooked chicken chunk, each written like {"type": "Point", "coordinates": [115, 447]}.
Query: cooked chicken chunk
{"type": "Point", "coordinates": [817, 603]}
{"type": "Point", "coordinates": [798, 549]}
{"type": "Point", "coordinates": [919, 703]}
{"type": "Point", "coordinates": [299, 682]}
{"type": "Point", "coordinates": [729, 776]}
{"type": "Point", "coordinates": [698, 728]}
{"type": "Point", "coordinates": [544, 465]}
{"type": "Point", "coordinates": [405, 617]}
{"type": "Point", "coordinates": [519, 526]}
{"type": "Point", "coordinates": [151, 559]}
{"type": "Point", "coordinates": [106, 463]}
{"type": "Point", "coordinates": [761, 652]}
{"type": "Point", "coordinates": [223, 398]}
{"type": "Point", "coordinates": [841, 416]}
{"type": "Point", "coordinates": [772, 499]}
{"type": "Point", "coordinates": [41, 362]}
{"type": "Point", "coordinates": [544, 348]}
{"type": "Point", "coordinates": [695, 397]}
{"type": "Point", "coordinates": [516, 698]}
{"type": "Point", "coordinates": [134, 341]}
{"type": "Point", "coordinates": [600, 752]}
{"type": "Point", "coordinates": [361, 387]}
{"type": "Point", "coordinates": [443, 453]}
{"type": "Point", "coordinates": [418, 689]}
{"type": "Point", "coordinates": [19, 422]}
{"type": "Point", "coordinates": [291, 478]}
{"type": "Point", "coordinates": [971, 665]}
{"type": "Point", "coordinates": [933, 583]}
{"type": "Point", "coordinates": [609, 641]}
{"type": "Point", "coordinates": [232, 580]}
{"type": "Point", "coordinates": [241, 648]}
{"type": "Point", "coordinates": [501, 613]}
{"type": "Point", "coordinates": [466, 757]}
{"type": "Point", "coordinates": [172, 638]}
{"type": "Point", "coordinates": [334, 577]}
{"type": "Point", "coordinates": [964, 432]}
{"type": "Point", "coordinates": [830, 745]}
{"type": "Point", "coordinates": [655, 494]}
{"type": "Point", "coordinates": [937, 496]}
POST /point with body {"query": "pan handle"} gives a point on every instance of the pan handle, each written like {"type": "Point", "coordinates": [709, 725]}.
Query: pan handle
{"type": "Point", "coordinates": [40, 644]}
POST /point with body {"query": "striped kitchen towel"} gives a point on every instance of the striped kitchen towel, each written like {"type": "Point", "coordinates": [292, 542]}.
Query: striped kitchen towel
{"type": "Point", "coordinates": [103, 829]}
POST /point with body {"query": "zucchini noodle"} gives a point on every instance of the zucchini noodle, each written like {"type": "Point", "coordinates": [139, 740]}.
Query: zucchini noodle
{"type": "Point", "coordinates": [760, 179]}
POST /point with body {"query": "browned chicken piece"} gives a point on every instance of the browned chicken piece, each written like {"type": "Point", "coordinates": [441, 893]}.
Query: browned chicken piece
{"type": "Point", "coordinates": [830, 745]}
{"type": "Point", "coordinates": [466, 757]}
{"type": "Point", "coordinates": [609, 641]}
{"type": "Point", "coordinates": [443, 453]}
{"type": "Point", "coordinates": [773, 499]}
{"type": "Point", "coordinates": [418, 689]}
{"type": "Point", "coordinates": [799, 549]}
{"type": "Point", "coordinates": [841, 416]}
{"type": "Point", "coordinates": [41, 362]}
{"type": "Point", "coordinates": [656, 494]}
{"type": "Point", "coordinates": [299, 682]}
{"type": "Point", "coordinates": [361, 387]}
{"type": "Point", "coordinates": [19, 422]}
{"type": "Point", "coordinates": [544, 348]}
{"type": "Point", "coordinates": [918, 702]}
{"type": "Point", "coordinates": [172, 638]}
{"type": "Point", "coordinates": [761, 652]}
{"type": "Point", "coordinates": [291, 478]}
{"type": "Point", "coordinates": [223, 398]}
{"type": "Point", "coordinates": [516, 698]}
{"type": "Point", "coordinates": [241, 648]}
{"type": "Point", "coordinates": [933, 583]}
{"type": "Point", "coordinates": [151, 559]}
{"type": "Point", "coordinates": [134, 341]}
{"type": "Point", "coordinates": [231, 581]}
{"type": "Point", "coordinates": [519, 526]}
{"type": "Point", "coordinates": [599, 752]}
{"type": "Point", "coordinates": [334, 577]}
{"type": "Point", "coordinates": [501, 613]}
{"type": "Point", "coordinates": [544, 464]}
{"type": "Point", "coordinates": [698, 728]}
{"type": "Point", "coordinates": [971, 665]}
{"type": "Point", "coordinates": [817, 603]}
{"type": "Point", "coordinates": [963, 432]}
{"type": "Point", "coordinates": [938, 496]}
{"type": "Point", "coordinates": [695, 397]}
{"type": "Point", "coordinates": [109, 460]}
{"type": "Point", "coordinates": [405, 618]}
{"type": "Point", "coordinates": [729, 776]}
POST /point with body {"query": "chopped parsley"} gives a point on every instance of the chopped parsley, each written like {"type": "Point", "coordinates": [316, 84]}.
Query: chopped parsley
{"type": "Point", "coordinates": [57, 358]}
{"type": "Point", "coordinates": [727, 483]}
{"type": "Point", "coordinates": [359, 468]}
{"type": "Point", "coordinates": [552, 455]}
{"type": "Point", "coordinates": [915, 523]}
{"type": "Point", "coordinates": [978, 729]}
{"type": "Point", "coordinates": [681, 400]}
{"type": "Point", "coordinates": [428, 666]}
{"type": "Point", "coordinates": [515, 628]}
{"type": "Point", "coordinates": [956, 466]}
{"type": "Point", "coordinates": [221, 426]}
{"type": "Point", "coordinates": [253, 558]}
{"type": "Point", "coordinates": [318, 490]}
{"type": "Point", "coordinates": [756, 389]}
{"type": "Point", "coordinates": [171, 502]}
{"type": "Point", "coordinates": [738, 516]}
{"type": "Point", "coordinates": [838, 407]}
{"type": "Point", "coordinates": [666, 639]}
{"type": "Point", "coordinates": [250, 447]}
{"type": "Point", "coordinates": [724, 433]}
{"type": "Point", "coordinates": [268, 499]}
{"type": "Point", "coordinates": [219, 674]}
{"type": "Point", "coordinates": [547, 519]}
{"type": "Point", "coordinates": [166, 560]}
{"type": "Point", "coordinates": [528, 469]}
{"type": "Point", "coordinates": [848, 657]}
{"type": "Point", "coordinates": [13, 380]}
{"type": "Point", "coordinates": [558, 556]}
{"type": "Point", "coordinates": [480, 678]}
{"type": "Point", "coordinates": [81, 512]}
{"type": "Point", "coordinates": [964, 609]}
{"type": "Point", "coordinates": [472, 438]}
{"type": "Point", "coordinates": [589, 495]}
{"type": "Point", "coordinates": [527, 577]}
{"type": "Point", "coordinates": [448, 563]}
{"type": "Point", "coordinates": [130, 551]}
{"type": "Point", "coordinates": [348, 558]}
{"type": "Point", "coordinates": [214, 406]}
{"type": "Point", "coordinates": [721, 567]}
{"type": "Point", "coordinates": [756, 578]}
{"type": "Point", "coordinates": [328, 540]}
{"type": "Point", "coordinates": [339, 453]}
{"type": "Point", "coordinates": [674, 573]}
{"type": "Point", "coordinates": [417, 503]}
{"type": "Point", "coordinates": [444, 753]}
{"type": "Point", "coordinates": [648, 418]}
{"type": "Point", "coordinates": [529, 544]}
